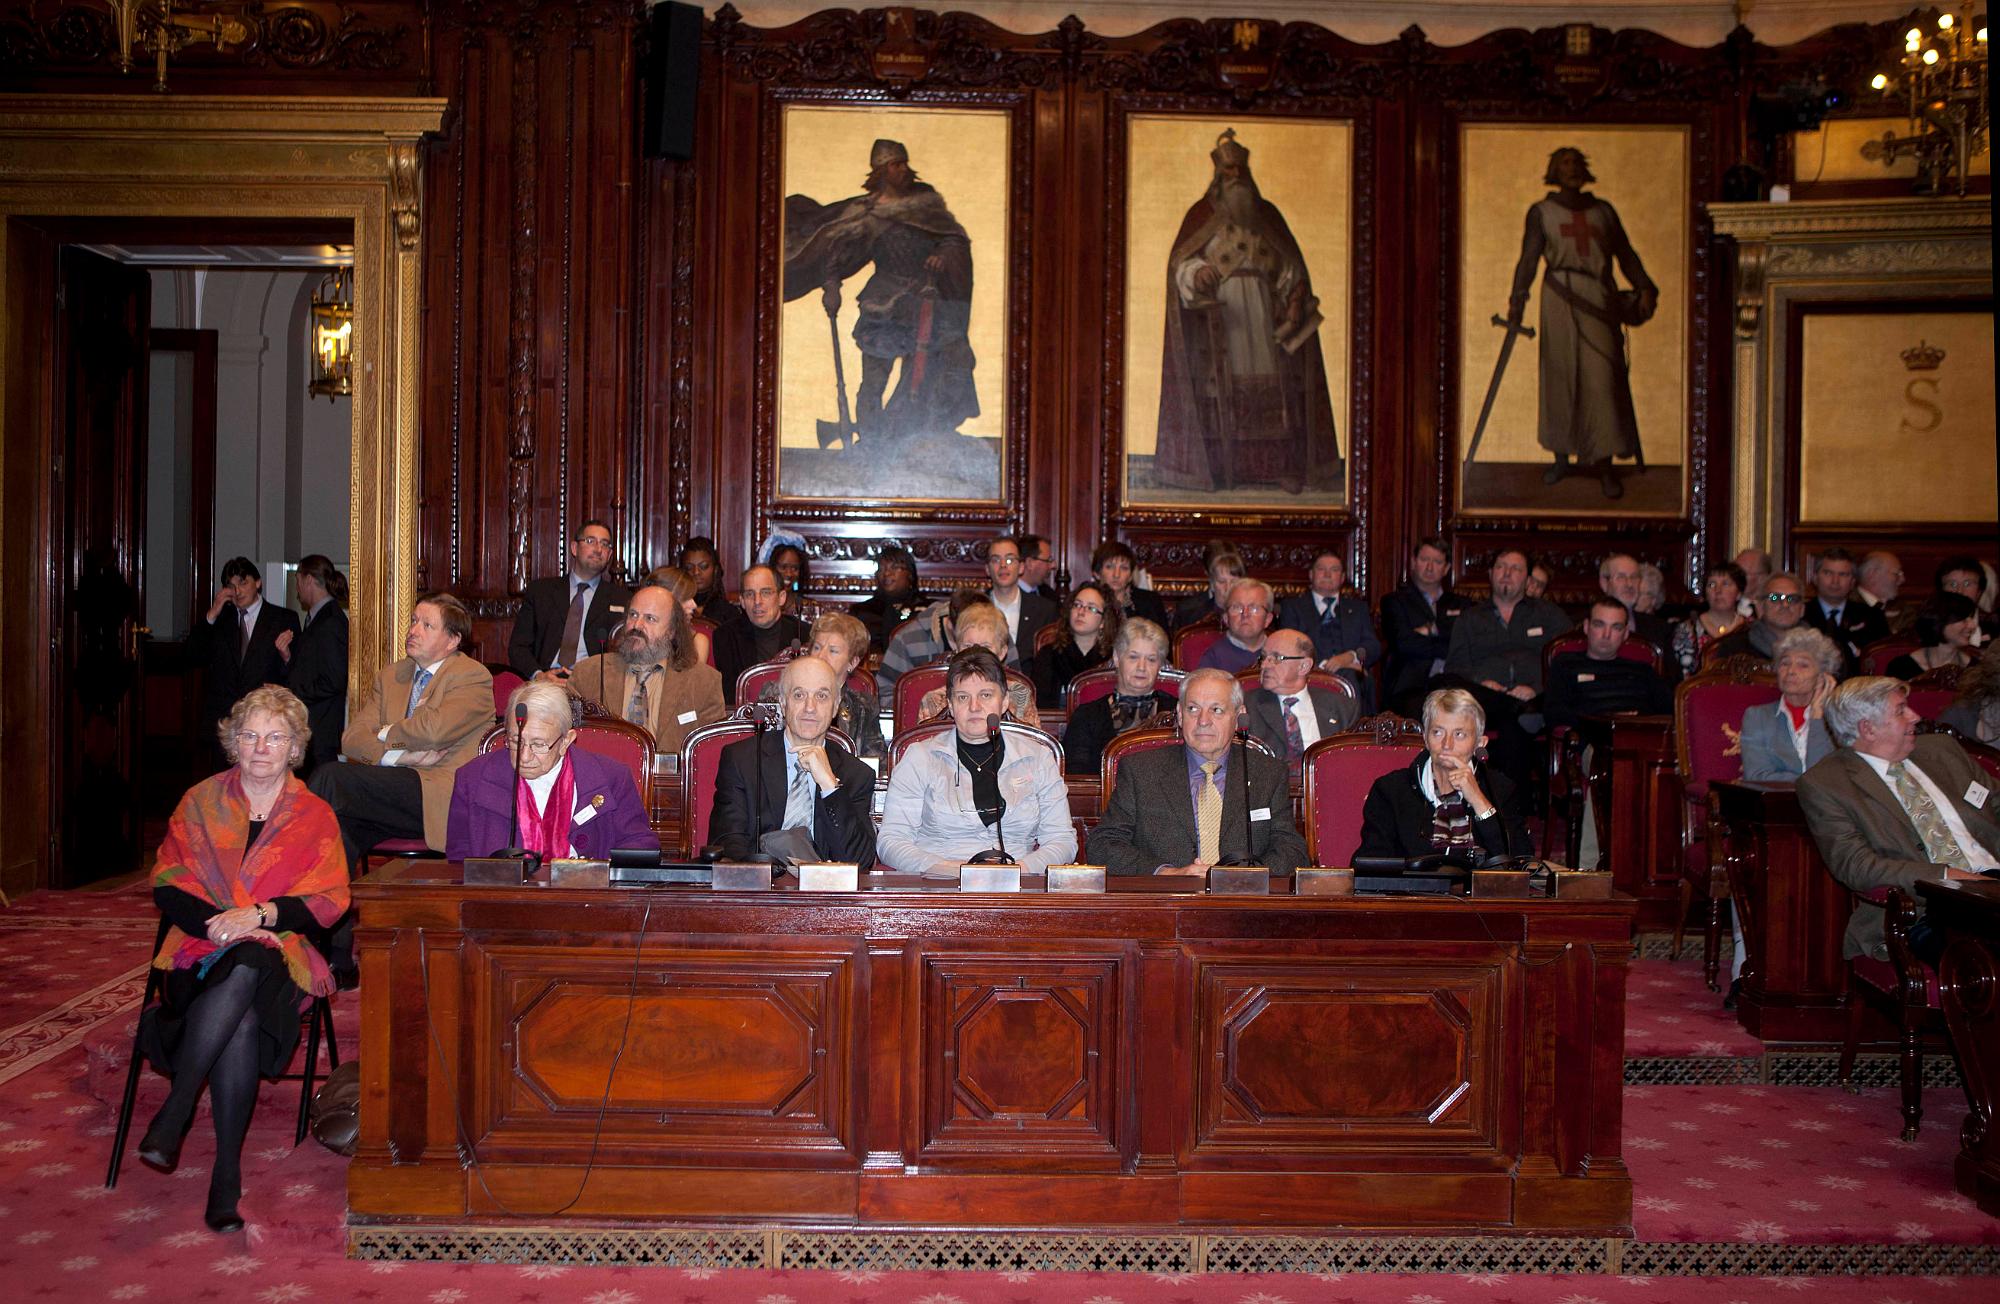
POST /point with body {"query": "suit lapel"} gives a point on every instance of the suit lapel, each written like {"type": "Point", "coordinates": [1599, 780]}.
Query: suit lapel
{"type": "Point", "coordinates": [1175, 781]}
{"type": "Point", "coordinates": [1870, 789]}
{"type": "Point", "coordinates": [772, 760]}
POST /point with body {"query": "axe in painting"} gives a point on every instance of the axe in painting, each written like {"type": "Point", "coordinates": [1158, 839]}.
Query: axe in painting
{"type": "Point", "coordinates": [841, 435]}
{"type": "Point", "coordinates": [1514, 329]}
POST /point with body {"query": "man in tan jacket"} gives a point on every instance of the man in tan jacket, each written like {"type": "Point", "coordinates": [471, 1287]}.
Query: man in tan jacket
{"type": "Point", "coordinates": [402, 746]}
{"type": "Point", "coordinates": [651, 675]}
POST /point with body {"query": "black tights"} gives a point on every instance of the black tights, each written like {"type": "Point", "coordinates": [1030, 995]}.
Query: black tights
{"type": "Point", "coordinates": [219, 1047]}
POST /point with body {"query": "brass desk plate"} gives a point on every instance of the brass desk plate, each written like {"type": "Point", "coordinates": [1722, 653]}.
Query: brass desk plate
{"type": "Point", "coordinates": [1582, 885]}
{"type": "Point", "coordinates": [1248, 880]}
{"type": "Point", "coordinates": [829, 877]}
{"type": "Point", "coordinates": [989, 878]}
{"type": "Point", "coordinates": [728, 877]}
{"type": "Point", "coordinates": [1076, 878]}
{"type": "Point", "coordinates": [1501, 883]}
{"type": "Point", "coordinates": [579, 873]}
{"type": "Point", "coordinates": [1323, 882]}
{"type": "Point", "coordinates": [493, 871]}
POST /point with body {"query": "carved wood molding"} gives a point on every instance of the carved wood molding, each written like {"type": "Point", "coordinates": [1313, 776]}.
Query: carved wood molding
{"type": "Point", "coordinates": [63, 38]}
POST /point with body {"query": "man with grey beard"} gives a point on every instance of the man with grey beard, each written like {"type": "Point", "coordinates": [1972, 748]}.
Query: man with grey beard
{"type": "Point", "coordinates": [651, 676]}
{"type": "Point", "coordinates": [1243, 396]}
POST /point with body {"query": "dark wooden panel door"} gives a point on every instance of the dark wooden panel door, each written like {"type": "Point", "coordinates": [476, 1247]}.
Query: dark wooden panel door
{"type": "Point", "coordinates": [102, 313]}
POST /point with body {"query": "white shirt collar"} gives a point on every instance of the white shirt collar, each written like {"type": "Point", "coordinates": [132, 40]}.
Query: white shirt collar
{"type": "Point", "coordinates": [248, 615]}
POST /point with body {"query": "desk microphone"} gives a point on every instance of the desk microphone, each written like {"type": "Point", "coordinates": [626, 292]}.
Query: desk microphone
{"type": "Point", "coordinates": [1242, 762]}
{"type": "Point", "coordinates": [759, 722]}
{"type": "Point", "coordinates": [530, 860]}
{"type": "Point", "coordinates": [998, 855]}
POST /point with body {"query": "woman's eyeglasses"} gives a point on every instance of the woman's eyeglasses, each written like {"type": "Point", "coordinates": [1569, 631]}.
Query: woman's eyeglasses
{"type": "Point", "coordinates": [251, 741]}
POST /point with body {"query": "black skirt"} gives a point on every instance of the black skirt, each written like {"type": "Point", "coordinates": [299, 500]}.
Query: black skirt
{"type": "Point", "coordinates": [276, 1004]}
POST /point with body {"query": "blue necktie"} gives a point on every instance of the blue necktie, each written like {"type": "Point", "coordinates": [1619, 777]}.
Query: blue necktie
{"type": "Point", "coordinates": [417, 687]}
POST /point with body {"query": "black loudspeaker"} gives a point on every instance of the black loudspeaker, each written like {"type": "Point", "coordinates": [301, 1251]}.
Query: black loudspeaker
{"type": "Point", "coordinates": [673, 75]}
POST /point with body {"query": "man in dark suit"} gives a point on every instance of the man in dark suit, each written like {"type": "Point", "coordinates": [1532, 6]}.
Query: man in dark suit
{"type": "Point", "coordinates": [797, 778]}
{"type": "Point", "coordinates": [1286, 712]}
{"type": "Point", "coordinates": [1038, 563]}
{"type": "Point", "coordinates": [237, 644]}
{"type": "Point", "coordinates": [1224, 568]}
{"type": "Point", "coordinates": [1416, 624]}
{"type": "Point", "coordinates": [316, 660]}
{"type": "Point", "coordinates": [1026, 610]}
{"type": "Point", "coordinates": [758, 630]}
{"type": "Point", "coordinates": [1180, 810]}
{"type": "Point", "coordinates": [1890, 809]}
{"type": "Point", "coordinates": [1341, 630]}
{"type": "Point", "coordinates": [1834, 610]}
{"type": "Point", "coordinates": [564, 619]}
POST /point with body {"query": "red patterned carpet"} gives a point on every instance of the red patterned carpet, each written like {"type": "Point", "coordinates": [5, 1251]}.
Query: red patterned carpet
{"type": "Point", "coordinates": [1742, 1168]}
{"type": "Point", "coordinates": [1670, 1013]}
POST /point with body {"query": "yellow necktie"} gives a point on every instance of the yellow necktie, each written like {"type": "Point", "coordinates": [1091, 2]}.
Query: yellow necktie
{"type": "Point", "coordinates": [1208, 817]}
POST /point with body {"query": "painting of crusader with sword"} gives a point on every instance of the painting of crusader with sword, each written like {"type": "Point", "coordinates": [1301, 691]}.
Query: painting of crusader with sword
{"type": "Point", "coordinates": [916, 382]}
{"type": "Point", "coordinates": [1586, 416]}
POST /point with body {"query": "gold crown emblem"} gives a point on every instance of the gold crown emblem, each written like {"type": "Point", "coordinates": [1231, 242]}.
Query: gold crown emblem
{"type": "Point", "coordinates": [1925, 357]}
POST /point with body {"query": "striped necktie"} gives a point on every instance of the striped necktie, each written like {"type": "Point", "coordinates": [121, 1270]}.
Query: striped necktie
{"type": "Point", "coordinates": [1208, 817]}
{"type": "Point", "coordinates": [417, 687]}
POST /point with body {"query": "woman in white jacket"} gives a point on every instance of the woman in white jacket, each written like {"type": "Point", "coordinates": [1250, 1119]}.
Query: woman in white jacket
{"type": "Point", "coordinates": [961, 792]}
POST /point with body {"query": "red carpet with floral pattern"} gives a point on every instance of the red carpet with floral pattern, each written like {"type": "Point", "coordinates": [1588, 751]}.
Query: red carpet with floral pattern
{"type": "Point", "coordinates": [1737, 1164]}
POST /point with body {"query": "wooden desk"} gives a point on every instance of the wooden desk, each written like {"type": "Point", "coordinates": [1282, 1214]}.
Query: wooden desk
{"type": "Point", "coordinates": [1792, 913]}
{"type": "Point", "coordinates": [1969, 982]}
{"type": "Point", "coordinates": [911, 1056]}
{"type": "Point", "coordinates": [1633, 775]}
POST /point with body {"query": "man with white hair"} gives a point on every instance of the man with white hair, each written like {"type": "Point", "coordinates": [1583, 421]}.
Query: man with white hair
{"type": "Point", "coordinates": [1880, 583]}
{"type": "Point", "coordinates": [1180, 810]}
{"type": "Point", "coordinates": [796, 778]}
{"type": "Point", "coordinates": [1890, 809]}
{"type": "Point", "coordinates": [1622, 577]}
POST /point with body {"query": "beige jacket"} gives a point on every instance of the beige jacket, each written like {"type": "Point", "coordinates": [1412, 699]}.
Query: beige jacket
{"type": "Point", "coordinates": [685, 700]}
{"type": "Point", "coordinates": [456, 712]}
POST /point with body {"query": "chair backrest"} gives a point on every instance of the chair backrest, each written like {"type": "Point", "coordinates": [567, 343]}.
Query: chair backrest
{"type": "Point", "coordinates": [1047, 635]}
{"type": "Point", "coordinates": [1875, 658]}
{"type": "Point", "coordinates": [910, 690]}
{"type": "Point", "coordinates": [1014, 732]}
{"type": "Point", "coordinates": [1340, 770]}
{"type": "Point", "coordinates": [1141, 740]}
{"type": "Point", "coordinates": [1987, 758]}
{"type": "Point", "coordinates": [505, 681]}
{"type": "Point", "coordinates": [1326, 679]}
{"type": "Point", "coordinates": [1102, 681]}
{"type": "Point", "coordinates": [1633, 648]}
{"type": "Point", "coordinates": [1934, 690]}
{"type": "Point", "coordinates": [630, 745]}
{"type": "Point", "coordinates": [1191, 642]}
{"type": "Point", "coordinates": [1708, 717]}
{"type": "Point", "coordinates": [701, 761]}
{"type": "Point", "coordinates": [703, 625]}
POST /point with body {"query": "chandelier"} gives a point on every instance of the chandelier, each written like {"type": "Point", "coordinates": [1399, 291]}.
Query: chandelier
{"type": "Point", "coordinates": [1940, 81]}
{"type": "Point", "coordinates": [331, 336]}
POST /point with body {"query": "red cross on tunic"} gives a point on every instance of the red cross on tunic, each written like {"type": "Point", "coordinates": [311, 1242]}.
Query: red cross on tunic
{"type": "Point", "coordinates": [1579, 231]}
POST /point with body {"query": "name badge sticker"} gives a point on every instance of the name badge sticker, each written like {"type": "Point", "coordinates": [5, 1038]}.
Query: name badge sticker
{"type": "Point", "coordinates": [1261, 813]}
{"type": "Point", "coordinates": [1975, 797]}
{"type": "Point", "coordinates": [1536, 632]}
{"type": "Point", "coordinates": [1589, 677]}
{"type": "Point", "coordinates": [686, 717]}
{"type": "Point", "coordinates": [588, 813]}
{"type": "Point", "coordinates": [616, 611]}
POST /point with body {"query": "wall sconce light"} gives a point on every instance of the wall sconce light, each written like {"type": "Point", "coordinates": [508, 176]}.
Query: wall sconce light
{"type": "Point", "coordinates": [1939, 81]}
{"type": "Point", "coordinates": [153, 25]}
{"type": "Point", "coordinates": [331, 336]}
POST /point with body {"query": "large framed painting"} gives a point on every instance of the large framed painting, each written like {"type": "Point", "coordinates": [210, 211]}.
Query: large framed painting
{"type": "Point", "coordinates": [1891, 413]}
{"type": "Point", "coordinates": [1573, 319]}
{"type": "Point", "coordinates": [1237, 312]}
{"type": "Point", "coordinates": [892, 338]}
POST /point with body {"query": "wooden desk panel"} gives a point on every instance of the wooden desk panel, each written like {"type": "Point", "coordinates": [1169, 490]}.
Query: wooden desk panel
{"type": "Point", "coordinates": [1792, 913]}
{"type": "Point", "coordinates": [910, 1055]}
{"type": "Point", "coordinates": [1636, 806]}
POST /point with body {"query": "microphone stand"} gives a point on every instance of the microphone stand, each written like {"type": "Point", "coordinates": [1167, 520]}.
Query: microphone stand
{"type": "Point", "coordinates": [997, 856]}
{"type": "Point", "coordinates": [530, 861]}
{"type": "Point", "coordinates": [759, 723]}
{"type": "Point", "coordinates": [1242, 762]}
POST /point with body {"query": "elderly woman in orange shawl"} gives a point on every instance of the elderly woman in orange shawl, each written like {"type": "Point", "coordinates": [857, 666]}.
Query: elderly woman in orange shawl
{"type": "Point", "coordinates": [251, 869]}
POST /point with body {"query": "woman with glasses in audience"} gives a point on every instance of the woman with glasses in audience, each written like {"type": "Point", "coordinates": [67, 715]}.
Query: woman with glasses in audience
{"type": "Point", "coordinates": [1083, 642]}
{"type": "Point", "coordinates": [250, 874]}
{"type": "Point", "coordinates": [1115, 568]}
{"type": "Point", "coordinates": [1138, 653]}
{"type": "Point", "coordinates": [1723, 589]}
{"type": "Point", "coordinates": [959, 792]}
{"type": "Point", "coordinates": [566, 801]}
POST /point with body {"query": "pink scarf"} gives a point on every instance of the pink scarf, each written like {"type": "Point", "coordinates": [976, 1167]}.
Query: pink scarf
{"type": "Point", "coordinates": [547, 834]}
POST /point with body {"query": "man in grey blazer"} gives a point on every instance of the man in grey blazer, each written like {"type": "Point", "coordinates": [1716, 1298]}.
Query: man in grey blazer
{"type": "Point", "coordinates": [1181, 810]}
{"type": "Point", "coordinates": [1889, 808]}
{"type": "Point", "coordinates": [1314, 712]}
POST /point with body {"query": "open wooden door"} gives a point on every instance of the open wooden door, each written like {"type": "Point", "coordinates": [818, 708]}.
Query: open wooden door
{"type": "Point", "coordinates": [102, 314]}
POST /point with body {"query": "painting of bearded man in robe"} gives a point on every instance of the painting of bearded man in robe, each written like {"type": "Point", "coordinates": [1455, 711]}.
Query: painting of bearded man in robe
{"type": "Point", "coordinates": [1244, 399]}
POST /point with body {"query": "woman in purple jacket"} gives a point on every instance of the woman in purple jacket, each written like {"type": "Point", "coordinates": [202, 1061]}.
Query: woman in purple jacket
{"type": "Point", "coordinates": [569, 802]}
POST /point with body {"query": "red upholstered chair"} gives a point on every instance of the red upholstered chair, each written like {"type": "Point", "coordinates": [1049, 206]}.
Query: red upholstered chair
{"type": "Point", "coordinates": [1192, 640]}
{"type": "Point", "coordinates": [1987, 758]}
{"type": "Point", "coordinates": [1140, 740]}
{"type": "Point", "coordinates": [1559, 788]}
{"type": "Point", "coordinates": [1708, 723]}
{"type": "Point", "coordinates": [1046, 636]}
{"type": "Point", "coordinates": [701, 760]}
{"type": "Point", "coordinates": [1340, 770]}
{"type": "Point", "coordinates": [1103, 681]}
{"type": "Point", "coordinates": [1875, 658]}
{"type": "Point", "coordinates": [630, 745]}
{"type": "Point", "coordinates": [505, 681]}
{"type": "Point", "coordinates": [750, 684]}
{"type": "Point", "coordinates": [1934, 690]}
{"type": "Point", "coordinates": [1902, 987]}
{"type": "Point", "coordinates": [1326, 679]}
{"type": "Point", "coordinates": [703, 625]}
{"type": "Point", "coordinates": [909, 695]}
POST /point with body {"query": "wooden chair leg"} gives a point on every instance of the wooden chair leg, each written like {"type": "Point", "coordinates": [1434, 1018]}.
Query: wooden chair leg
{"type": "Point", "coordinates": [1852, 1041]}
{"type": "Point", "coordinates": [1681, 917]}
{"type": "Point", "coordinates": [1711, 942]}
{"type": "Point", "coordinates": [1913, 1077]}
{"type": "Point", "coordinates": [320, 1014]}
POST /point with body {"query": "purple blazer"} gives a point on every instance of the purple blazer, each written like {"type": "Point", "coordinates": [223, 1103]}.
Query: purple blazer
{"type": "Point", "coordinates": [482, 807]}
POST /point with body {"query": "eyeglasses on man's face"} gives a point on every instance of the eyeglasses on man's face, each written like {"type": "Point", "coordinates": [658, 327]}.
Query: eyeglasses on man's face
{"type": "Point", "coordinates": [1286, 656]}
{"type": "Point", "coordinates": [1784, 599]}
{"type": "Point", "coordinates": [535, 746]}
{"type": "Point", "coordinates": [1247, 609]}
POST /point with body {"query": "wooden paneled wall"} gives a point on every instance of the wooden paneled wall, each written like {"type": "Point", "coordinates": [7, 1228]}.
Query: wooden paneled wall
{"type": "Point", "coordinates": [599, 332]}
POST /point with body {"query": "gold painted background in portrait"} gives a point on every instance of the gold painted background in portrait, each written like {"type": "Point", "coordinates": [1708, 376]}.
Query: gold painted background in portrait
{"type": "Point", "coordinates": [1832, 152]}
{"type": "Point", "coordinates": [1641, 172]}
{"type": "Point", "coordinates": [1305, 167]}
{"type": "Point", "coordinates": [961, 152]}
{"type": "Point", "coordinates": [1872, 447]}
